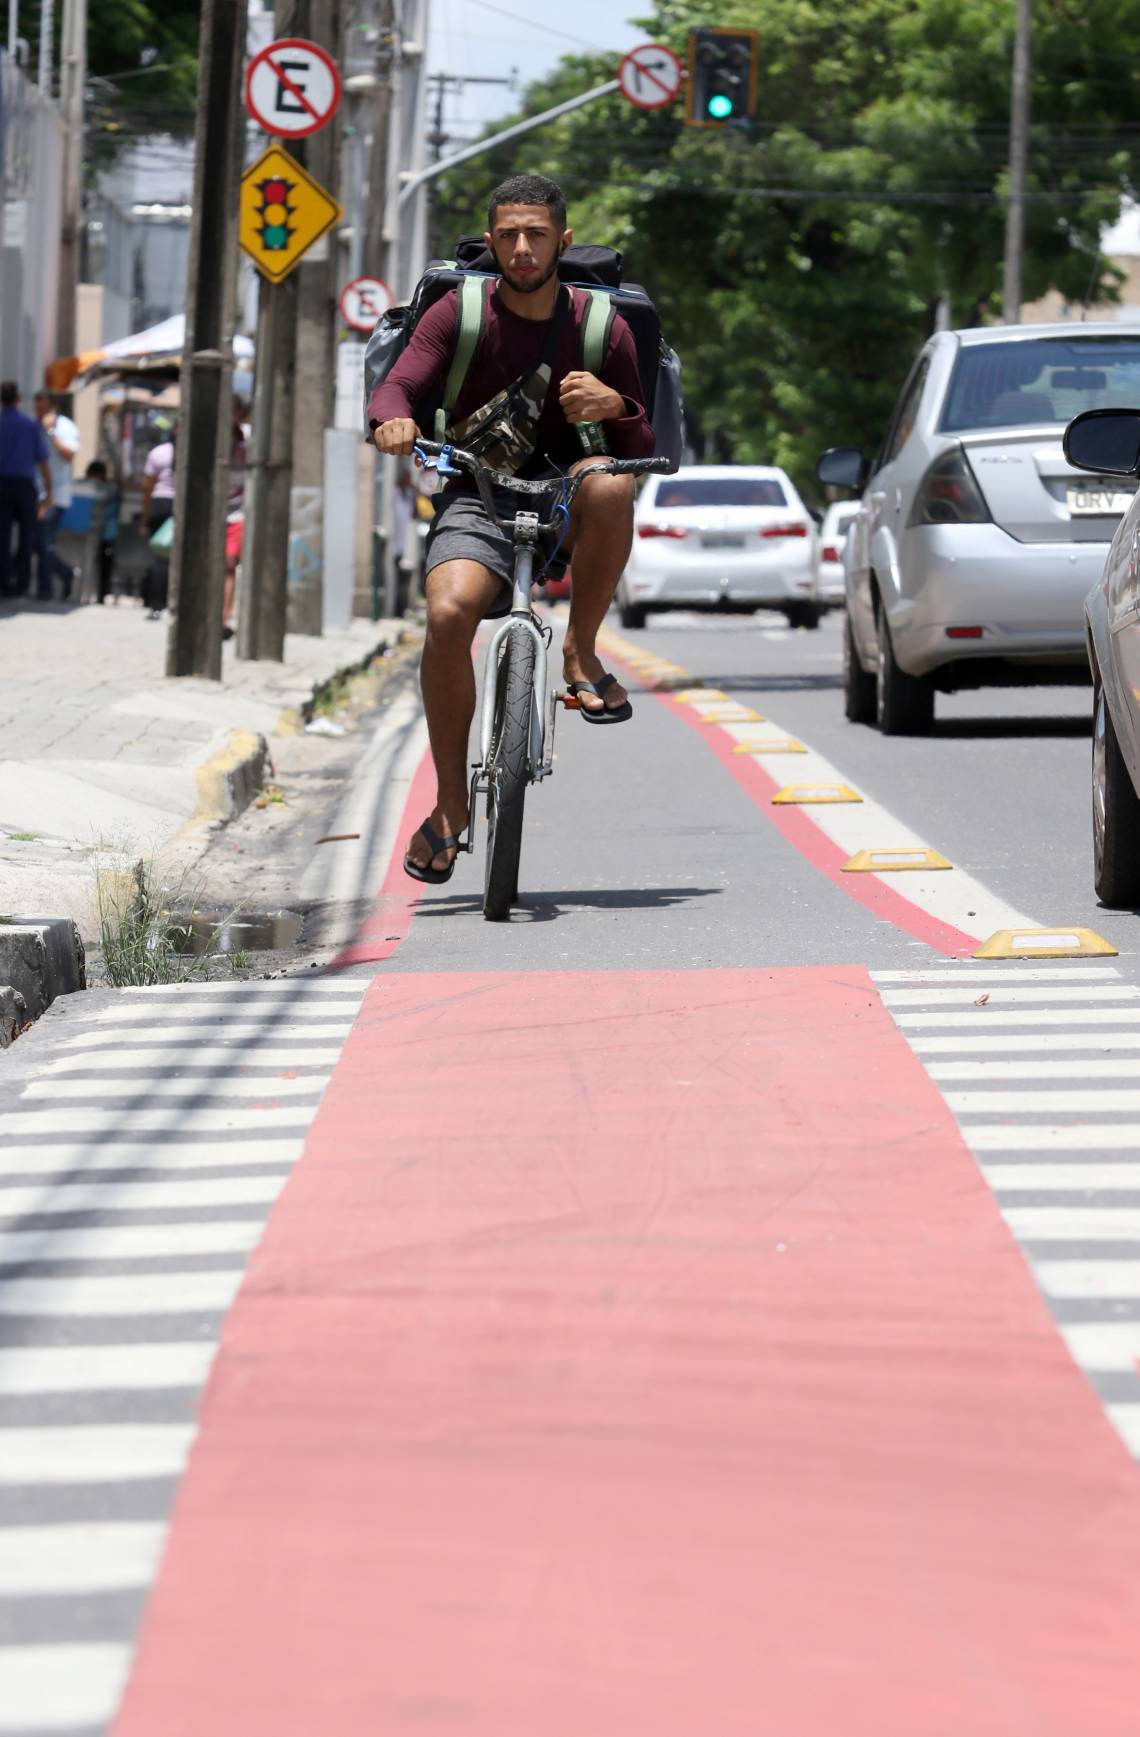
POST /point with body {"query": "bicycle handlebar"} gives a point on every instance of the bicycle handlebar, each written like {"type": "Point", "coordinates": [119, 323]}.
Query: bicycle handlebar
{"type": "Point", "coordinates": [463, 460]}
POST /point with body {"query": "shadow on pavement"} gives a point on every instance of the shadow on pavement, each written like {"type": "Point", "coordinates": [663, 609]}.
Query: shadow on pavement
{"type": "Point", "coordinates": [980, 727]}
{"type": "Point", "coordinates": [544, 907]}
{"type": "Point", "coordinates": [777, 683]}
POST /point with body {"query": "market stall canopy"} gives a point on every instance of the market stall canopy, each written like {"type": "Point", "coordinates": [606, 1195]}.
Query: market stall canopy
{"type": "Point", "coordinates": [157, 351]}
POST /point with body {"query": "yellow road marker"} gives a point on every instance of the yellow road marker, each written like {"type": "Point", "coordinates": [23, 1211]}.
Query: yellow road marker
{"type": "Point", "coordinates": [1046, 944]}
{"type": "Point", "coordinates": [689, 696]}
{"type": "Point", "coordinates": [771, 745]}
{"type": "Point", "coordinates": [730, 713]}
{"type": "Point", "coordinates": [889, 862]}
{"type": "Point", "coordinates": [803, 793]}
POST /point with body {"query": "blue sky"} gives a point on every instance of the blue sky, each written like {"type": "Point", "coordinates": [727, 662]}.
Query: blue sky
{"type": "Point", "coordinates": [478, 37]}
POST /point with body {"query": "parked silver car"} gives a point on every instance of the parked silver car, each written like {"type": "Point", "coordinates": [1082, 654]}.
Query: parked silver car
{"type": "Point", "coordinates": [1107, 442]}
{"type": "Point", "coordinates": [976, 541]}
{"type": "Point", "coordinates": [734, 537]}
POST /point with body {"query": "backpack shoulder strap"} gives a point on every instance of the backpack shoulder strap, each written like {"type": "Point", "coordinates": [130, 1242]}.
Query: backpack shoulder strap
{"type": "Point", "coordinates": [471, 310]}
{"type": "Point", "coordinates": [596, 329]}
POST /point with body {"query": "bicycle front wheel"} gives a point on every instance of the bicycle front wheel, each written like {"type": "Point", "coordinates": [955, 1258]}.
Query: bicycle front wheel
{"type": "Point", "coordinates": [507, 774]}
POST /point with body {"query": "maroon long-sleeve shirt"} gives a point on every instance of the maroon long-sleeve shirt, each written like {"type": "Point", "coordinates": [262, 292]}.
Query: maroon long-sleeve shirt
{"type": "Point", "coordinates": [509, 346]}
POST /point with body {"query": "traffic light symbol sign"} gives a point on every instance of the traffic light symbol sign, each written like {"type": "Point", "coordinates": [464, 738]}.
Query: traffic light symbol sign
{"type": "Point", "coordinates": [276, 211]}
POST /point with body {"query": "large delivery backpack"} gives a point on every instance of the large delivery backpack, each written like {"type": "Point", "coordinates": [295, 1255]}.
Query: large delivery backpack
{"type": "Point", "coordinates": [597, 270]}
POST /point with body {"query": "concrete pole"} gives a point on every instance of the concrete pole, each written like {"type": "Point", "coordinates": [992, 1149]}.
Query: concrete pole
{"type": "Point", "coordinates": [73, 84]}
{"type": "Point", "coordinates": [1018, 164]}
{"type": "Point", "coordinates": [197, 568]}
{"type": "Point", "coordinates": [265, 550]}
{"type": "Point", "coordinates": [47, 32]}
{"type": "Point", "coordinates": [317, 291]}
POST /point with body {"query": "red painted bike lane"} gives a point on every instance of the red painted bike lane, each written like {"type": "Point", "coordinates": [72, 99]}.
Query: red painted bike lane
{"type": "Point", "coordinates": [642, 1353]}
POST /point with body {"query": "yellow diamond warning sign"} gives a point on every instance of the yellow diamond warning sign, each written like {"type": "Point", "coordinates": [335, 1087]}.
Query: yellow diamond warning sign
{"type": "Point", "coordinates": [283, 211]}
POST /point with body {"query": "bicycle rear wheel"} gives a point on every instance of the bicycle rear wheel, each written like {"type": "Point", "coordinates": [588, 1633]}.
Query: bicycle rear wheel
{"type": "Point", "coordinates": [507, 774]}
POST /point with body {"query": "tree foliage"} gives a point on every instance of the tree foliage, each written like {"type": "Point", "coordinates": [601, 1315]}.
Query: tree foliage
{"type": "Point", "coordinates": [799, 261]}
{"type": "Point", "coordinates": [142, 67]}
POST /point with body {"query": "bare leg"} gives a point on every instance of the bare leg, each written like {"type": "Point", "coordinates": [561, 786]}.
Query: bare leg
{"type": "Point", "coordinates": [459, 594]}
{"type": "Point", "coordinates": [601, 535]}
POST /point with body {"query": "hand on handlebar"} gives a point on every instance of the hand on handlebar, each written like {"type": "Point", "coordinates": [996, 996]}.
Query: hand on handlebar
{"type": "Point", "coordinates": [397, 437]}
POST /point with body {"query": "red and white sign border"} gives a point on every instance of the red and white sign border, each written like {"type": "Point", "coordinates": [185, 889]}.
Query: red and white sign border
{"type": "Point", "coordinates": [367, 277]}
{"type": "Point", "coordinates": [264, 56]}
{"type": "Point", "coordinates": [631, 59]}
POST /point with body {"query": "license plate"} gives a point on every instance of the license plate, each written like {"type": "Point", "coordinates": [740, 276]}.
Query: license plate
{"type": "Point", "coordinates": [721, 540]}
{"type": "Point", "coordinates": [1109, 502]}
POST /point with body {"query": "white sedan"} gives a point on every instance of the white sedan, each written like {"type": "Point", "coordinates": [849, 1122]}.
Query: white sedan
{"type": "Point", "coordinates": [724, 537]}
{"type": "Point", "coordinates": [829, 577]}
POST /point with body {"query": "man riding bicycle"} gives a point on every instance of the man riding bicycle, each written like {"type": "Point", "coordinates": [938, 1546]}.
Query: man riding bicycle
{"type": "Point", "coordinates": [523, 397]}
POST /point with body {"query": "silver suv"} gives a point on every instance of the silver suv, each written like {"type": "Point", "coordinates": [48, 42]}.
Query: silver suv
{"type": "Point", "coordinates": [975, 541]}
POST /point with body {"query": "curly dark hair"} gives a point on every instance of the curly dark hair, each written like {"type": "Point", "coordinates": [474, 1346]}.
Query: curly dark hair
{"type": "Point", "coordinates": [529, 190]}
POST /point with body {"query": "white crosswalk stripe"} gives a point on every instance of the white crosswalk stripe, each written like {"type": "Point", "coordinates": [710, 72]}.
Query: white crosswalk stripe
{"type": "Point", "coordinates": [137, 1169]}
{"type": "Point", "coordinates": [1040, 1066]}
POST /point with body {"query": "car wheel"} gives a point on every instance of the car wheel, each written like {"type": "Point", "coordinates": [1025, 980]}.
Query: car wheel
{"type": "Point", "coordinates": [904, 703]}
{"type": "Point", "coordinates": [632, 614]}
{"type": "Point", "coordinates": [858, 686]}
{"type": "Point", "coordinates": [1116, 815]}
{"type": "Point", "coordinates": [803, 614]}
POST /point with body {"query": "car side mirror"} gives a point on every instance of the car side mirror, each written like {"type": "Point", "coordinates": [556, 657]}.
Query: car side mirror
{"type": "Point", "coordinates": [1107, 441]}
{"type": "Point", "coordinates": [842, 467]}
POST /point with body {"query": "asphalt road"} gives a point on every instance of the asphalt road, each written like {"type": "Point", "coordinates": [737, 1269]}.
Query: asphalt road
{"type": "Point", "coordinates": [709, 1301]}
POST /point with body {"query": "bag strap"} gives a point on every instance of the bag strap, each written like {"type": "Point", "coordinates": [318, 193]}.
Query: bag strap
{"type": "Point", "coordinates": [472, 306]}
{"type": "Point", "coordinates": [596, 329]}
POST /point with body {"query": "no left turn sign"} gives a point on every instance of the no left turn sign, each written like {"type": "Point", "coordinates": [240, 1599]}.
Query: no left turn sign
{"type": "Point", "coordinates": [292, 87]}
{"type": "Point", "coordinates": [363, 301]}
{"type": "Point", "coordinates": [650, 76]}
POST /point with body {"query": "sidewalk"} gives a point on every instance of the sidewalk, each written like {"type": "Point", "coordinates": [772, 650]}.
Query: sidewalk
{"type": "Point", "coordinates": [101, 753]}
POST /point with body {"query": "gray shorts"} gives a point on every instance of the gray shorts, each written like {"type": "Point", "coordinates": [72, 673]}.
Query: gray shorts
{"type": "Point", "coordinates": [461, 531]}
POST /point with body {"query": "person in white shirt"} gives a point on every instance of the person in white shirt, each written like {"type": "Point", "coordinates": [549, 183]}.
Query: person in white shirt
{"type": "Point", "coordinates": [63, 442]}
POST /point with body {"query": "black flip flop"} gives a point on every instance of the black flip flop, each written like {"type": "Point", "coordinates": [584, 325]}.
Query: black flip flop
{"type": "Point", "coordinates": [432, 876]}
{"type": "Point", "coordinates": [618, 715]}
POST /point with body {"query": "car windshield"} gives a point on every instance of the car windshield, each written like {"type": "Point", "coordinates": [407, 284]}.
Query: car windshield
{"type": "Point", "coordinates": [843, 523]}
{"type": "Point", "coordinates": [720, 491]}
{"type": "Point", "coordinates": [1015, 384]}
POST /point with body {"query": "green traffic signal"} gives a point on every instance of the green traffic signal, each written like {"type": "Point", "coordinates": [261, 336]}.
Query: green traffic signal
{"type": "Point", "coordinates": [720, 107]}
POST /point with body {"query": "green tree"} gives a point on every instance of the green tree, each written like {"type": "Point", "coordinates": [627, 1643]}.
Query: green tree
{"type": "Point", "coordinates": [800, 261]}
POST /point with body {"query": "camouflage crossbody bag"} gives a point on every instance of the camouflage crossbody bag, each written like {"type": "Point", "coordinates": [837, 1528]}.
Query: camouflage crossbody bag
{"type": "Point", "coordinates": [503, 432]}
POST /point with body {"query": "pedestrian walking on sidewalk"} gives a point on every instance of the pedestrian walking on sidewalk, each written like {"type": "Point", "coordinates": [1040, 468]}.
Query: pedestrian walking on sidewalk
{"type": "Point", "coordinates": [23, 451]}
{"type": "Point", "coordinates": [63, 444]}
{"type": "Point", "coordinates": [157, 508]}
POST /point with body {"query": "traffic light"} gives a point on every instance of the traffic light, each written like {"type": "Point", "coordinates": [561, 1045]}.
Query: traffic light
{"type": "Point", "coordinates": [722, 76]}
{"type": "Point", "coordinates": [275, 213]}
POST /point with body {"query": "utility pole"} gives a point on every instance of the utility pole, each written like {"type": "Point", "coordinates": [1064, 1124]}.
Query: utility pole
{"type": "Point", "coordinates": [316, 356]}
{"type": "Point", "coordinates": [438, 138]}
{"type": "Point", "coordinates": [265, 553]}
{"type": "Point", "coordinates": [1018, 162]}
{"type": "Point", "coordinates": [47, 31]}
{"type": "Point", "coordinates": [73, 85]}
{"type": "Point", "coordinates": [202, 480]}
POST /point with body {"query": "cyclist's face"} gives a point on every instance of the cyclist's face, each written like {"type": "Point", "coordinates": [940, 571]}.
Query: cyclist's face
{"type": "Point", "coordinates": [526, 245]}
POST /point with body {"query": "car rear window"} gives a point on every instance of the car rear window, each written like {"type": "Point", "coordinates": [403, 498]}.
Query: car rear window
{"type": "Point", "coordinates": [1015, 384]}
{"type": "Point", "coordinates": [844, 522]}
{"type": "Point", "coordinates": [720, 491]}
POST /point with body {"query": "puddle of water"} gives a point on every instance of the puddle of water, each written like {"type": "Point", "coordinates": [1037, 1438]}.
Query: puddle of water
{"type": "Point", "coordinates": [199, 932]}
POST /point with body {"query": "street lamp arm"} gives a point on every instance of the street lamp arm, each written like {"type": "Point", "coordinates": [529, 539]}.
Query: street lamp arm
{"type": "Point", "coordinates": [414, 182]}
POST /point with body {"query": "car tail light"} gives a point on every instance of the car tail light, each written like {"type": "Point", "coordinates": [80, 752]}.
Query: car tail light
{"type": "Point", "coordinates": [795, 530]}
{"type": "Point", "coordinates": [948, 494]}
{"type": "Point", "coordinates": [830, 553]}
{"type": "Point", "coordinates": [662, 531]}
{"type": "Point", "coordinates": [963, 633]}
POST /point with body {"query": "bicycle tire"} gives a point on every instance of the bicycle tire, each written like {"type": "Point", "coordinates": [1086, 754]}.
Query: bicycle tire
{"type": "Point", "coordinates": [508, 773]}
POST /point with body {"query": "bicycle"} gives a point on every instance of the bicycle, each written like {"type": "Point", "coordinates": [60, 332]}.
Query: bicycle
{"type": "Point", "coordinates": [516, 736]}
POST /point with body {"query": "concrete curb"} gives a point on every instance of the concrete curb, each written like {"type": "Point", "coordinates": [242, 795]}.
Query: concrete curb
{"type": "Point", "coordinates": [230, 779]}
{"type": "Point", "coordinates": [13, 1015]}
{"type": "Point", "coordinates": [40, 958]}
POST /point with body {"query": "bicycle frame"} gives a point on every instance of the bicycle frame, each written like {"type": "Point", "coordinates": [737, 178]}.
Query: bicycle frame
{"type": "Point", "coordinates": [542, 716]}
